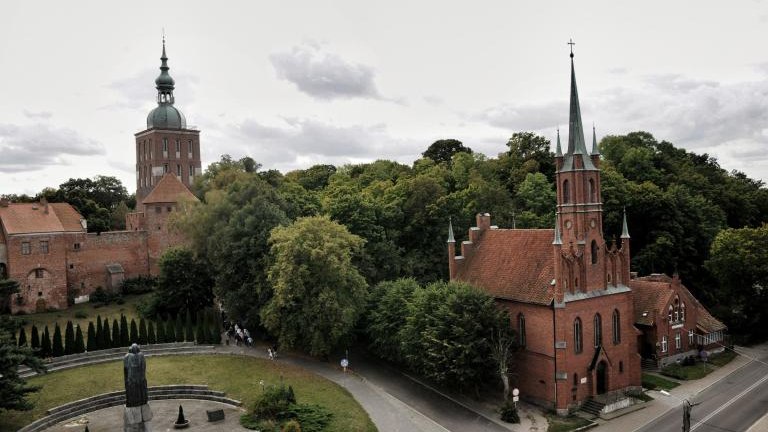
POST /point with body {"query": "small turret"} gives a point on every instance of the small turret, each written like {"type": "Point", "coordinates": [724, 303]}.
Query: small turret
{"type": "Point", "coordinates": [451, 252]}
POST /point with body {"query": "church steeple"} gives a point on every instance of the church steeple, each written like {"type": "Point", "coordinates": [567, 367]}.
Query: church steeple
{"type": "Point", "coordinates": [164, 83]}
{"type": "Point", "coordinates": [577, 156]}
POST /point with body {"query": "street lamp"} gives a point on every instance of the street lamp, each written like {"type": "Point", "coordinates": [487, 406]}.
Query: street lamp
{"type": "Point", "coordinates": [515, 396]}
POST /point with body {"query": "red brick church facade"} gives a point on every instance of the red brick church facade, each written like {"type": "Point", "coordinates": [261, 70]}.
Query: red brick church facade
{"type": "Point", "coordinates": [568, 291]}
{"type": "Point", "coordinates": [47, 249]}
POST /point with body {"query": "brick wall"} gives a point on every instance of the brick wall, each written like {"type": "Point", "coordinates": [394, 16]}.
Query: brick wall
{"type": "Point", "coordinates": [86, 266]}
{"type": "Point", "coordinates": [44, 289]}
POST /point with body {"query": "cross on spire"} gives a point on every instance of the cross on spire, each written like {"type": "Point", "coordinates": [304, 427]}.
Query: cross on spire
{"type": "Point", "coordinates": [571, 43]}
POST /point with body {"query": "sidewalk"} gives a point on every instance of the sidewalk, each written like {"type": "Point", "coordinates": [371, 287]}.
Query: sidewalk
{"type": "Point", "coordinates": [661, 404]}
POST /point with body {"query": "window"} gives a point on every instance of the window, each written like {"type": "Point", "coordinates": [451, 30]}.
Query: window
{"type": "Point", "coordinates": [594, 252]}
{"type": "Point", "coordinates": [566, 192]}
{"type": "Point", "coordinates": [521, 329]}
{"type": "Point", "coordinates": [621, 367]}
{"type": "Point", "coordinates": [575, 379]}
{"type": "Point", "coordinates": [158, 209]}
{"type": "Point", "coordinates": [44, 246]}
{"type": "Point", "coordinates": [71, 266]}
{"type": "Point", "coordinates": [26, 249]}
{"type": "Point", "coordinates": [682, 312]}
{"type": "Point", "coordinates": [178, 146]}
{"type": "Point", "coordinates": [677, 341]}
{"type": "Point", "coordinates": [76, 246]}
{"type": "Point", "coordinates": [598, 331]}
{"type": "Point", "coordinates": [577, 344]}
{"type": "Point", "coordinates": [169, 209]}
{"type": "Point", "coordinates": [165, 168]}
{"type": "Point", "coordinates": [39, 273]}
{"type": "Point", "coordinates": [189, 149]}
{"type": "Point", "coordinates": [165, 145]}
{"type": "Point", "coordinates": [191, 171]}
{"type": "Point", "coordinates": [669, 315]}
{"type": "Point", "coordinates": [664, 344]}
{"type": "Point", "coordinates": [592, 191]}
{"type": "Point", "coordinates": [690, 338]}
{"type": "Point", "coordinates": [616, 327]}
{"type": "Point", "coordinates": [178, 170]}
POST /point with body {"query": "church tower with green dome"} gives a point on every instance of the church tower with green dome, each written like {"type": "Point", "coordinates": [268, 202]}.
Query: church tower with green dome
{"type": "Point", "coordinates": [167, 145]}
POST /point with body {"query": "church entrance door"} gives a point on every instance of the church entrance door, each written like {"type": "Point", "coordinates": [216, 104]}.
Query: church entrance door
{"type": "Point", "coordinates": [602, 379]}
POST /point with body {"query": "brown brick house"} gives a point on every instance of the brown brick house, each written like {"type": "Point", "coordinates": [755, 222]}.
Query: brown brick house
{"type": "Point", "coordinates": [47, 249]}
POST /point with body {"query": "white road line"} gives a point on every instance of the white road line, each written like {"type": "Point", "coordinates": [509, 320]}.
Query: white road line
{"type": "Point", "coordinates": [729, 403]}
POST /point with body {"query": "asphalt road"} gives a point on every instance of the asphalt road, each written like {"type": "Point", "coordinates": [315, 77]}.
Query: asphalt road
{"type": "Point", "coordinates": [730, 405]}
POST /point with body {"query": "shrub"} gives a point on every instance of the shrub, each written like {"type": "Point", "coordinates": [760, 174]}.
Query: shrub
{"type": "Point", "coordinates": [509, 413]}
{"type": "Point", "coordinates": [139, 285]}
{"type": "Point", "coordinates": [291, 426]}
{"type": "Point", "coordinates": [313, 418]}
{"type": "Point", "coordinates": [272, 402]}
{"type": "Point", "coordinates": [81, 315]}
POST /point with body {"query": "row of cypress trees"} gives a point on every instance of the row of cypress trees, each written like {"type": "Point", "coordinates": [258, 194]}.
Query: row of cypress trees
{"type": "Point", "coordinates": [206, 330]}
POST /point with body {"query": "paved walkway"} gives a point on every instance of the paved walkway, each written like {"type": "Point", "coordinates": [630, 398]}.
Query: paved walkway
{"type": "Point", "coordinates": [398, 403]}
{"type": "Point", "coordinates": [164, 413]}
{"type": "Point", "coordinates": [687, 390]}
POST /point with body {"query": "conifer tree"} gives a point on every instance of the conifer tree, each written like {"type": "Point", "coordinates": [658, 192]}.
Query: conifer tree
{"type": "Point", "coordinates": [57, 346]}
{"type": "Point", "coordinates": [142, 331]}
{"type": "Point", "coordinates": [69, 339]}
{"type": "Point", "coordinates": [22, 337]}
{"type": "Point", "coordinates": [35, 339]}
{"type": "Point", "coordinates": [79, 342]}
{"type": "Point", "coordinates": [179, 330]}
{"type": "Point", "coordinates": [213, 330]}
{"type": "Point", "coordinates": [200, 333]}
{"type": "Point", "coordinates": [189, 334]}
{"type": "Point", "coordinates": [92, 339]}
{"type": "Point", "coordinates": [170, 334]}
{"type": "Point", "coordinates": [45, 344]}
{"type": "Point", "coordinates": [151, 337]}
{"type": "Point", "coordinates": [105, 341]}
{"type": "Point", "coordinates": [134, 333]}
{"type": "Point", "coordinates": [116, 341]}
{"type": "Point", "coordinates": [99, 341]}
{"type": "Point", "coordinates": [124, 331]}
{"type": "Point", "coordinates": [161, 332]}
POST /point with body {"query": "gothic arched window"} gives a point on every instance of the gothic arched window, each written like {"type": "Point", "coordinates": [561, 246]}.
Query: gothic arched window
{"type": "Point", "coordinates": [577, 340]}
{"type": "Point", "coordinates": [594, 252]}
{"type": "Point", "coordinates": [616, 327]}
{"type": "Point", "coordinates": [566, 192]}
{"type": "Point", "coordinates": [598, 331]}
{"type": "Point", "coordinates": [521, 329]}
{"type": "Point", "coordinates": [592, 191]}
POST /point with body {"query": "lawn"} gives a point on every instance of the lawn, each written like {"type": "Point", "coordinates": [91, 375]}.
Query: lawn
{"type": "Point", "coordinates": [723, 358]}
{"type": "Point", "coordinates": [699, 369]}
{"type": "Point", "coordinates": [238, 376]}
{"type": "Point", "coordinates": [88, 310]}
{"type": "Point", "coordinates": [565, 424]}
{"type": "Point", "coordinates": [653, 382]}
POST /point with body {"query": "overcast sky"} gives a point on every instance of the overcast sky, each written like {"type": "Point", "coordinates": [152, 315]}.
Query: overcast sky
{"type": "Point", "coordinates": [293, 83]}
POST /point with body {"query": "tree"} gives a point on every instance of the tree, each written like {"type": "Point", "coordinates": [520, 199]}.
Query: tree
{"type": "Point", "coordinates": [69, 339]}
{"type": "Point", "coordinates": [502, 345]}
{"type": "Point", "coordinates": [93, 340]}
{"type": "Point", "coordinates": [529, 153]}
{"type": "Point", "coordinates": [142, 331]}
{"type": "Point", "coordinates": [134, 334]}
{"type": "Point", "coordinates": [45, 344]}
{"type": "Point", "coordinates": [170, 333]}
{"type": "Point", "coordinates": [184, 283]}
{"type": "Point", "coordinates": [95, 199]}
{"type": "Point", "coordinates": [117, 340]}
{"type": "Point", "coordinates": [319, 294]}
{"type": "Point", "coordinates": [35, 341]}
{"type": "Point", "coordinates": [189, 333]}
{"type": "Point", "coordinates": [124, 331]}
{"type": "Point", "coordinates": [8, 287]}
{"type": "Point", "coordinates": [536, 199]}
{"type": "Point", "coordinates": [739, 261]}
{"type": "Point", "coordinates": [161, 331]}
{"type": "Point", "coordinates": [79, 342]}
{"type": "Point", "coordinates": [151, 337]}
{"type": "Point", "coordinates": [22, 337]}
{"type": "Point", "coordinates": [14, 389]}
{"type": "Point", "coordinates": [442, 151]}
{"type": "Point", "coordinates": [57, 349]}
{"type": "Point", "coordinates": [385, 317]}
{"type": "Point", "coordinates": [99, 343]}
{"type": "Point", "coordinates": [105, 341]}
{"type": "Point", "coordinates": [179, 330]}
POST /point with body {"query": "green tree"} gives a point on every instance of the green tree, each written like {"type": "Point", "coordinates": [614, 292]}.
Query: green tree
{"type": "Point", "coordinates": [537, 199]}
{"type": "Point", "coordinates": [69, 339]}
{"type": "Point", "coordinates": [529, 153]}
{"type": "Point", "coordinates": [99, 343]}
{"type": "Point", "coordinates": [8, 287]}
{"type": "Point", "coordinates": [14, 389]}
{"type": "Point", "coordinates": [385, 317]}
{"type": "Point", "coordinates": [22, 337]}
{"type": "Point", "coordinates": [57, 349]}
{"type": "Point", "coordinates": [151, 337]}
{"type": "Point", "coordinates": [124, 331]}
{"type": "Point", "coordinates": [105, 341]}
{"type": "Point", "coordinates": [79, 342]}
{"type": "Point", "coordinates": [189, 333]}
{"type": "Point", "coordinates": [93, 340]}
{"type": "Point", "coordinates": [739, 261]}
{"type": "Point", "coordinates": [442, 151]}
{"type": "Point", "coordinates": [134, 334]}
{"type": "Point", "coordinates": [45, 344]}
{"type": "Point", "coordinates": [184, 283]}
{"type": "Point", "coordinates": [142, 331]}
{"type": "Point", "coordinates": [161, 332]}
{"type": "Point", "coordinates": [319, 294]}
{"type": "Point", "coordinates": [170, 333]}
{"type": "Point", "coordinates": [117, 340]}
{"type": "Point", "coordinates": [35, 341]}
{"type": "Point", "coordinates": [447, 335]}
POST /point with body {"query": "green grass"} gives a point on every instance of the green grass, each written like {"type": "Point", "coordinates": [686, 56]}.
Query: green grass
{"type": "Point", "coordinates": [654, 382]}
{"type": "Point", "coordinates": [723, 358]}
{"type": "Point", "coordinates": [238, 376]}
{"type": "Point", "coordinates": [565, 424]}
{"type": "Point", "coordinates": [696, 371]}
{"type": "Point", "coordinates": [111, 311]}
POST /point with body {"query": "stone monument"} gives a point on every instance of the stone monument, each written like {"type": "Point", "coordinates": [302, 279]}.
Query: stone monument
{"type": "Point", "coordinates": [137, 413]}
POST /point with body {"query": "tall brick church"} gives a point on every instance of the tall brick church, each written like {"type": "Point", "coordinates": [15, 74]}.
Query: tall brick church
{"type": "Point", "coordinates": [581, 318]}
{"type": "Point", "coordinates": [46, 246]}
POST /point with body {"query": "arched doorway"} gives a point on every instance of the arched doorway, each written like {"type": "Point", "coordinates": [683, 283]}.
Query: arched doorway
{"type": "Point", "coordinates": [601, 377]}
{"type": "Point", "coordinates": [3, 271]}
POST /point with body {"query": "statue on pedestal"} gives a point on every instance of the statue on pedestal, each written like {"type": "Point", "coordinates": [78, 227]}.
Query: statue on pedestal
{"type": "Point", "coordinates": [137, 413]}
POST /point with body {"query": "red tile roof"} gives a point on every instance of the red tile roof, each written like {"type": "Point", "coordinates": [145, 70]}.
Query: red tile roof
{"type": "Point", "coordinates": [27, 218]}
{"type": "Point", "coordinates": [513, 264]}
{"type": "Point", "coordinates": [168, 190]}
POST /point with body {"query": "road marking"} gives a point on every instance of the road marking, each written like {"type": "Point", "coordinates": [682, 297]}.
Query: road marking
{"type": "Point", "coordinates": [729, 403]}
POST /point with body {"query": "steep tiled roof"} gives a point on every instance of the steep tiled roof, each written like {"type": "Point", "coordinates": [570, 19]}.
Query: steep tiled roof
{"type": "Point", "coordinates": [28, 218]}
{"type": "Point", "coordinates": [513, 264]}
{"type": "Point", "coordinates": [168, 190]}
{"type": "Point", "coordinates": [707, 322]}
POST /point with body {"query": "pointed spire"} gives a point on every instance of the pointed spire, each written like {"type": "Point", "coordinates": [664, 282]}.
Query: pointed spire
{"type": "Point", "coordinates": [450, 231]}
{"type": "Point", "coordinates": [558, 240]}
{"type": "Point", "coordinates": [624, 230]}
{"type": "Point", "coordinates": [559, 150]}
{"type": "Point", "coordinates": [164, 83]}
{"type": "Point", "coordinates": [576, 144]}
{"type": "Point", "coordinates": [595, 150]}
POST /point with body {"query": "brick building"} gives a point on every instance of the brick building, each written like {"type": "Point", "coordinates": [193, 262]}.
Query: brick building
{"type": "Point", "coordinates": [47, 249]}
{"type": "Point", "coordinates": [568, 291]}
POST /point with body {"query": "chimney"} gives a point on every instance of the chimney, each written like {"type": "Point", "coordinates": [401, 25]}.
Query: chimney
{"type": "Point", "coordinates": [483, 221]}
{"type": "Point", "coordinates": [44, 203]}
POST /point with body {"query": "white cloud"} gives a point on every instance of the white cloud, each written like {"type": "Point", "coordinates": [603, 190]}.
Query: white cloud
{"type": "Point", "coordinates": [34, 147]}
{"type": "Point", "coordinates": [324, 75]}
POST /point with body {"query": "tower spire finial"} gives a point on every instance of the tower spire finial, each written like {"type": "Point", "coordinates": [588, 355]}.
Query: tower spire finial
{"type": "Point", "coordinates": [558, 150]}
{"type": "Point", "coordinates": [571, 43]}
{"type": "Point", "coordinates": [558, 239]}
{"type": "Point", "coordinates": [450, 231]}
{"type": "Point", "coordinates": [595, 150]}
{"type": "Point", "coordinates": [624, 230]}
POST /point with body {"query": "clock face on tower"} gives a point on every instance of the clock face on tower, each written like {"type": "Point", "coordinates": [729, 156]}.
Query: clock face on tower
{"type": "Point", "coordinates": [592, 223]}
{"type": "Point", "coordinates": [568, 224]}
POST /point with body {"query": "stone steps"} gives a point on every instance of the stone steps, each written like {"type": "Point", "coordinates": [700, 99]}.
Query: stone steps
{"type": "Point", "coordinates": [106, 400]}
{"type": "Point", "coordinates": [112, 354]}
{"type": "Point", "coordinates": [592, 407]}
{"type": "Point", "coordinates": [649, 365]}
